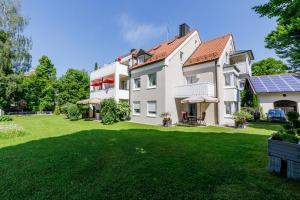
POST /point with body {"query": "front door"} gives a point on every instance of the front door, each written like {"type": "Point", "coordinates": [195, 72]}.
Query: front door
{"type": "Point", "coordinates": [193, 109]}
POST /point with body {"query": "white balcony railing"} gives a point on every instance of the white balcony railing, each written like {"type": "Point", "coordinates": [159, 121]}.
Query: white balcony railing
{"type": "Point", "coordinates": [103, 94]}
{"type": "Point", "coordinates": [184, 91]}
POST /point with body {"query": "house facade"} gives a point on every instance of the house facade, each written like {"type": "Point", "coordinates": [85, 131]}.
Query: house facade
{"type": "Point", "coordinates": [277, 91]}
{"type": "Point", "coordinates": [187, 75]}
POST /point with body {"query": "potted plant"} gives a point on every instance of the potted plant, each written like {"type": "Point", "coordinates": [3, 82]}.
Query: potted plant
{"type": "Point", "coordinates": [167, 120]}
{"type": "Point", "coordinates": [241, 118]}
{"type": "Point", "coordinates": [284, 148]}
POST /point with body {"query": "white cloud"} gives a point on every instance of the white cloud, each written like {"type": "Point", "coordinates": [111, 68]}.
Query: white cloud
{"type": "Point", "coordinates": [138, 34]}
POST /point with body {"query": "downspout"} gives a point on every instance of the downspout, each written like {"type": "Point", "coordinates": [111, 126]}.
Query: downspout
{"type": "Point", "coordinates": [217, 93]}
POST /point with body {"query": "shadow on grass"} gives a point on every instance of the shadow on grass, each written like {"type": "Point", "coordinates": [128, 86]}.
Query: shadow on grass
{"type": "Point", "coordinates": [141, 164]}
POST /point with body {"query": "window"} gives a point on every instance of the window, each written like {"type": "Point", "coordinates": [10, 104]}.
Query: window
{"type": "Point", "coordinates": [136, 108]}
{"type": "Point", "coordinates": [137, 83]}
{"type": "Point", "coordinates": [124, 85]}
{"type": "Point", "coordinates": [242, 84]}
{"type": "Point", "coordinates": [230, 107]}
{"type": "Point", "coordinates": [141, 59]}
{"type": "Point", "coordinates": [152, 80]}
{"type": "Point", "coordinates": [191, 79]}
{"type": "Point", "coordinates": [230, 80]}
{"type": "Point", "coordinates": [151, 107]}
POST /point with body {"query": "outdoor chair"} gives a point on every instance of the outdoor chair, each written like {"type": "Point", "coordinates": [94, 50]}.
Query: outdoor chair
{"type": "Point", "coordinates": [202, 118]}
{"type": "Point", "coordinates": [184, 117]}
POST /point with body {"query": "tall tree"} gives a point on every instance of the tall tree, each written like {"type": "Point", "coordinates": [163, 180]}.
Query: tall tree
{"type": "Point", "coordinates": [96, 66]}
{"type": "Point", "coordinates": [73, 86]}
{"type": "Point", "coordinates": [40, 87]}
{"type": "Point", "coordinates": [285, 39]}
{"type": "Point", "coordinates": [14, 52]}
{"type": "Point", "coordinates": [14, 56]}
{"type": "Point", "coordinates": [268, 66]}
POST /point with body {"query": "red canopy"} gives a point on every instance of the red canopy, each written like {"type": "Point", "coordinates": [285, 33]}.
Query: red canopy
{"type": "Point", "coordinates": [108, 80]}
{"type": "Point", "coordinates": [96, 83]}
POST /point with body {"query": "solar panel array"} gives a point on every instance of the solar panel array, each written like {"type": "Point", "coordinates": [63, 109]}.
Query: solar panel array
{"type": "Point", "coordinates": [276, 83]}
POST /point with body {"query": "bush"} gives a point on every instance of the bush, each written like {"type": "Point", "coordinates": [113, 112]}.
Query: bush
{"type": "Point", "coordinates": [288, 126]}
{"type": "Point", "coordinates": [241, 118]}
{"type": "Point", "coordinates": [109, 111]}
{"type": "Point", "coordinates": [64, 108]}
{"type": "Point", "coordinates": [57, 110]}
{"type": "Point", "coordinates": [123, 111]}
{"type": "Point", "coordinates": [5, 118]}
{"type": "Point", "coordinates": [292, 116]}
{"type": "Point", "coordinates": [73, 112]}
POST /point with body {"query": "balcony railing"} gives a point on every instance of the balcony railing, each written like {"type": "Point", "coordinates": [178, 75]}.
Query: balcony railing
{"type": "Point", "coordinates": [103, 94]}
{"type": "Point", "coordinates": [184, 91]}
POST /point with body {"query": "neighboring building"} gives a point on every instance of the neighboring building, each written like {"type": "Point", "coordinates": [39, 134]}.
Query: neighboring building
{"type": "Point", "coordinates": [187, 75]}
{"type": "Point", "coordinates": [277, 91]}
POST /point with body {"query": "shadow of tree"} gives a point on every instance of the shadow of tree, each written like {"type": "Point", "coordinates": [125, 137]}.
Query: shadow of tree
{"type": "Point", "coordinates": [141, 164]}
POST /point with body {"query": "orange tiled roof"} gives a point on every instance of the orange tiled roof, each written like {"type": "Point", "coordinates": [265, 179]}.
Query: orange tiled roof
{"type": "Point", "coordinates": [208, 51]}
{"type": "Point", "coordinates": [163, 50]}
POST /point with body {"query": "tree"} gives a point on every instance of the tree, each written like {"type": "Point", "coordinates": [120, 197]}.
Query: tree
{"type": "Point", "coordinates": [14, 52]}
{"type": "Point", "coordinates": [73, 86]}
{"type": "Point", "coordinates": [285, 39]}
{"type": "Point", "coordinates": [14, 46]}
{"type": "Point", "coordinates": [96, 66]}
{"type": "Point", "coordinates": [40, 87]}
{"type": "Point", "coordinates": [268, 66]}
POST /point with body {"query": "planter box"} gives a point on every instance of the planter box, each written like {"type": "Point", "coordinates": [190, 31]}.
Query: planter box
{"type": "Point", "coordinates": [283, 152]}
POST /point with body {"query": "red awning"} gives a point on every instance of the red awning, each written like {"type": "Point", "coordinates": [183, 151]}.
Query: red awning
{"type": "Point", "coordinates": [108, 80]}
{"type": "Point", "coordinates": [96, 83]}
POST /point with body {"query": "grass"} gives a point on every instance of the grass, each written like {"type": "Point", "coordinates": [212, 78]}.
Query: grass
{"type": "Point", "coordinates": [62, 159]}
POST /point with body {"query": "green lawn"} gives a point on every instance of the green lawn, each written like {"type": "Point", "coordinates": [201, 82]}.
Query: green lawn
{"type": "Point", "coordinates": [62, 159]}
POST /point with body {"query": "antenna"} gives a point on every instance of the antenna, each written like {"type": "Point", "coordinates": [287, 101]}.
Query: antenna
{"type": "Point", "coordinates": [168, 32]}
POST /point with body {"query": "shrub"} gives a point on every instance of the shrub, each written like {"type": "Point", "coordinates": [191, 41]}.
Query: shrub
{"type": "Point", "coordinates": [73, 112]}
{"type": "Point", "coordinates": [109, 111]}
{"type": "Point", "coordinates": [123, 111]}
{"type": "Point", "coordinates": [57, 110]}
{"type": "Point", "coordinates": [64, 108]}
{"type": "Point", "coordinates": [5, 118]}
{"type": "Point", "coordinates": [288, 126]}
{"type": "Point", "coordinates": [241, 118]}
{"type": "Point", "coordinates": [292, 116]}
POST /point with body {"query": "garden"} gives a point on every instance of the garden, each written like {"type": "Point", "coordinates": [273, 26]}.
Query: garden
{"type": "Point", "coordinates": [56, 158]}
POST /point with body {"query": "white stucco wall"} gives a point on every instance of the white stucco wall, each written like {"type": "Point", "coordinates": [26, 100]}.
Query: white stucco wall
{"type": "Point", "coordinates": [267, 100]}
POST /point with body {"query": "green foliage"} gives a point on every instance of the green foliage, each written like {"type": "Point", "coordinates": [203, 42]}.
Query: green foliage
{"type": "Point", "coordinates": [5, 118]}
{"type": "Point", "coordinates": [73, 112]}
{"type": "Point", "coordinates": [292, 116]}
{"type": "Point", "coordinates": [109, 111]}
{"type": "Point", "coordinates": [39, 88]}
{"type": "Point", "coordinates": [268, 66]}
{"type": "Point", "coordinates": [73, 86]}
{"type": "Point", "coordinates": [64, 108]}
{"type": "Point", "coordinates": [285, 38]}
{"type": "Point", "coordinates": [249, 99]}
{"type": "Point", "coordinates": [57, 110]}
{"type": "Point", "coordinates": [123, 110]}
{"type": "Point", "coordinates": [14, 46]}
{"type": "Point", "coordinates": [241, 117]}
{"type": "Point", "coordinates": [11, 130]}
{"type": "Point", "coordinates": [96, 66]}
{"type": "Point", "coordinates": [291, 132]}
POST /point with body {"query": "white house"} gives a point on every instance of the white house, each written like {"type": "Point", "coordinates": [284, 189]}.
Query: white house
{"type": "Point", "coordinates": [277, 91]}
{"type": "Point", "coordinates": [188, 76]}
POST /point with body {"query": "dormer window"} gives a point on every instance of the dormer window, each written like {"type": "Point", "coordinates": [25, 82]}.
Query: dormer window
{"type": "Point", "coordinates": [141, 59]}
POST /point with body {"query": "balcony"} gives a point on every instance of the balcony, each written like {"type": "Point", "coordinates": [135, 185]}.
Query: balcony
{"type": "Point", "coordinates": [103, 94]}
{"type": "Point", "coordinates": [184, 91]}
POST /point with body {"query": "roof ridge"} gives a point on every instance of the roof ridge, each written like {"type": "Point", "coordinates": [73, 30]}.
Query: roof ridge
{"type": "Point", "coordinates": [219, 37]}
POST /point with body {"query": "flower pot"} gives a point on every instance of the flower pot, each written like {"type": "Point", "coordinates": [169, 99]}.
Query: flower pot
{"type": "Point", "coordinates": [167, 123]}
{"type": "Point", "coordinates": [281, 152]}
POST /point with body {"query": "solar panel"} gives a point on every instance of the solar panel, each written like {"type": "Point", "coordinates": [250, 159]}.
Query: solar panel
{"type": "Point", "coordinates": [276, 83]}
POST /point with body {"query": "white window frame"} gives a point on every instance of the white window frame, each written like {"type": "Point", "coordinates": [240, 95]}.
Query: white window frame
{"type": "Point", "coordinates": [141, 59]}
{"type": "Point", "coordinates": [152, 86]}
{"type": "Point", "coordinates": [191, 78]}
{"type": "Point", "coordinates": [232, 80]}
{"type": "Point", "coordinates": [233, 105]}
{"type": "Point", "coordinates": [134, 108]}
{"type": "Point", "coordinates": [134, 83]}
{"type": "Point", "coordinates": [151, 114]}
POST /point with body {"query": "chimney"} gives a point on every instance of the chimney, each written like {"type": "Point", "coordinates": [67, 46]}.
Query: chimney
{"type": "Point", "coordinates": [183, 29]}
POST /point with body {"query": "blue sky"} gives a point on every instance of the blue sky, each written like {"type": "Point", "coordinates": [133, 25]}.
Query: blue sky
{"type": "Point", "coordinates": [78, 33]}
